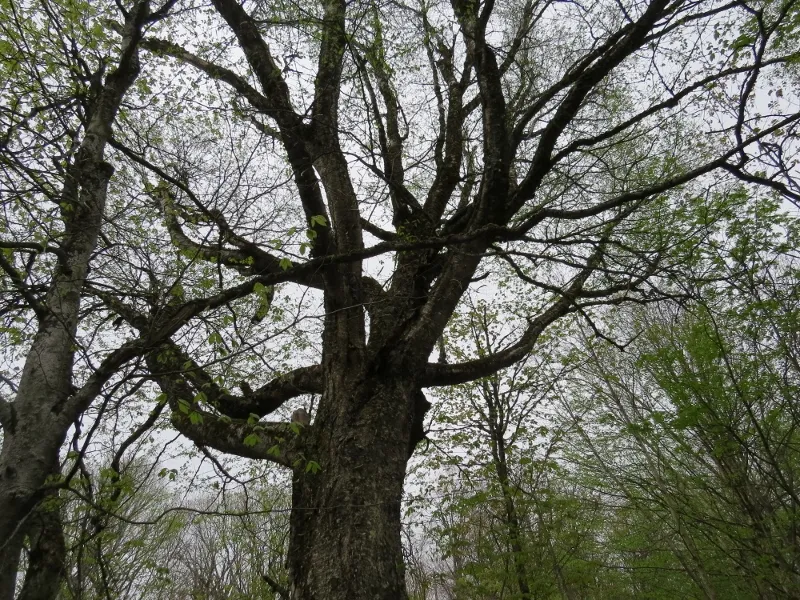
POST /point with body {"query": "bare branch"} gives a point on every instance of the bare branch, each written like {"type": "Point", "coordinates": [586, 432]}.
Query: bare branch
{"type": "Point", "coordinates": [571, 104]}
{"type": "Point", "coordinates": [256, 99]}
{"type": "Point", "coordinates": [453, 374]}
{"type": "Point", "coordinates": [16, 279]}
{"type": "Point", "coordinates": [7, 417]}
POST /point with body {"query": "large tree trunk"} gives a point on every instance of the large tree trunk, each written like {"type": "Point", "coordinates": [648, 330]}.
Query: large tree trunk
{"type": "Point", "coordinates": [345, 539]}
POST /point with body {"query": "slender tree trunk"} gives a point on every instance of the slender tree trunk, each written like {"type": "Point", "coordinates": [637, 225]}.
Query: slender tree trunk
{"type": "Point", "coordinates": [48, 551]}
{"type": "Point", "coordinates": [39, 423]}
{"type": "Point", "coordinates": [511, 517]}
{"type": "Point", "coordinates": [345, 541]}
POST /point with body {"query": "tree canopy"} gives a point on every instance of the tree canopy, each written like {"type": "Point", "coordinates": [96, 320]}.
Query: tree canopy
{"type": "Point", "coordinates": [216, 213]}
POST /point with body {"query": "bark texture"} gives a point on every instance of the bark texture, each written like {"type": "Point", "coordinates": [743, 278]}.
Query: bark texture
{"type": "Point", "coordinates": [41, 411]}
{"type": "Point", "coordinates": [47, 554]}
{"type": "Point", "coordinates": [345, 525]}
{"type": "Point", "coordinates": [10, 549]}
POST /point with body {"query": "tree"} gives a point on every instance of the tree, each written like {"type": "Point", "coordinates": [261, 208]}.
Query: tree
{"type": "Point", "coordinates": [489, 434]}
{"type": "Point", "coordinates": [694, 426]}
{"type": "Point", "coordinates": [543, 141]}
{"type": "Point", "coordinates": [81, 108]}
{"type": "Point", "coordinates": [129, 554]}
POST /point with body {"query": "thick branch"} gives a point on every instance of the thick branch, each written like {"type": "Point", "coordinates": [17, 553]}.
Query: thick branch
{"type": "Point", "coordinates": [240, 85]}
{"type": "Point", "coordinates": [381, 234]}
{"type": "Point", "coordinates": [260, 60]}
{"type": "Point", "coordinates": [442, 374]}
{"type": "Point", "coordinates": [778, 186]}
{"type": "Point", "coordinates": [573, 101]}
{"type": "Point", "coordinates": [33, 247]}
{"type": "Point", "coordinates": [496, 147]}
{"type": "Point", "coordinates": [329, 70]}
{"type": "Point", "coordinates": [267, 398]}
{"type": "Point", "coordinates": [275, 442]}
{"type": "Point", "coordinates": [276, 587]}
{"type": "Point", "coordinates": [262, 401]}
{"type": "Point", "coordinates": [280, 443]}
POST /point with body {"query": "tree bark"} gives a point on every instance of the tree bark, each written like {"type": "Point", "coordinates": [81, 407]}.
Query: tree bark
{"type": "Point", "coordinates": [46, 559]}
{"type": "Point", "coordinates": [31, 442]}
{"type": "Point", "coordinates": [345, 541]}
{"type": "Point", "coordinates": [10, 549]}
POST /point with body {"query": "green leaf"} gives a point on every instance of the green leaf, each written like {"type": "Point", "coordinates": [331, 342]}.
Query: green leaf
{"type": "Point", "coordinates": [251, 440]}
{"type": "Point", "coordinates": [318, 220]}
{"type": "Point", "coordinates": [171, 473]}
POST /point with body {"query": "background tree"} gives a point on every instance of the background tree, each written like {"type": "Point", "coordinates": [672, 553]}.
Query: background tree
{"type": "Point", "coordinates": [484, 435]}
{"type": "Point", "coordinates": [58, 109]}
{"type": "Point", "coordinates": [693, 428]}
{"type": "Point", "coordinates": [664, 472]}
{"type": "Point", "coordinates": [151, 540]}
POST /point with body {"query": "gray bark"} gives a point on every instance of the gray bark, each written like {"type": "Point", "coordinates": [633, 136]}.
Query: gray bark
{"type": "Point", "coordinates": [35, 423]}
{"type": "Point", "coordinates": [9, 559]}
{"type": "Point", "coordinates": [31, 443]}
{"type": "Point", "coordinates": [345, 524]}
